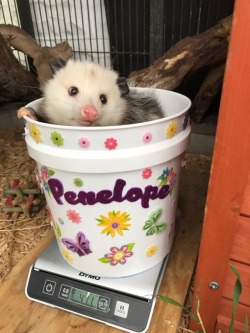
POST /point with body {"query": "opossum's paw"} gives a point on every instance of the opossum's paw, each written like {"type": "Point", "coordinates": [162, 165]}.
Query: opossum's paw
{"type": "Point", "coordinates": [29, 112]}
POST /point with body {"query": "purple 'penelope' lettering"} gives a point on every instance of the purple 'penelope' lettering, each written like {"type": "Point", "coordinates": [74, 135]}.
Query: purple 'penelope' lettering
{"type": "Point", "coordinates": [134, 194]}
{"type": "Point", "coordinates": [107, 196]}
{"type": "Point", "coordinates": [91, 198]}
{"type": "Point", "coordinates": [118, 188]}
{"type": "Point", "coordinates": [104, 197]}
{"type": "Point", "coordinates": [163, 192]}
{"type": "Point", "coordinates": [57, 189]}
{"type": "Point", "coordinates": [82, 197]}
{"type": "Point", "coordinates": [150, 192]}
{"type": "Point", "coordinates": [71, 197]}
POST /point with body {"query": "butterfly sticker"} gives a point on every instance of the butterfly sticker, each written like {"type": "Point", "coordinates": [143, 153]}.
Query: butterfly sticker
{"type": "Point", "coordinates": [153, 225]}
{"type": "Point", "coordinates": [81, 246]}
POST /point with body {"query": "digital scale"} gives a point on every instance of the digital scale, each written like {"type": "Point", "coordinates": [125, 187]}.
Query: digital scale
{"type": "Point", "coordinates": [125, 303]}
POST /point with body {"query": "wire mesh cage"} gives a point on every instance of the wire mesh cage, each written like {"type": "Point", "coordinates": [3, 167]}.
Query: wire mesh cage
{"type": "Point", "coordinates": [124, 34]}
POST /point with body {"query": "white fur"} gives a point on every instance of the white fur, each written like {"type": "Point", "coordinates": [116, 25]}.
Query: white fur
{"type": "Point", "coordinates": [92, 80]}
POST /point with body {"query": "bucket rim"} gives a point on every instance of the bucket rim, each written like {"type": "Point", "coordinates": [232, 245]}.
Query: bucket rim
{"type": "Point", "coordinates": [115, 127]}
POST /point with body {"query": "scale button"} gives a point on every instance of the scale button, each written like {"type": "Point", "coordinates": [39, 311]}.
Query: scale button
{"type": "Point", "coordinates": [121, 309]}
{"type": "Point", "coordinates": [49, 287]}
{"type": "Point", "coordinates": [64, 291]}
{"type": "Point", "coordinates": [103, 304]}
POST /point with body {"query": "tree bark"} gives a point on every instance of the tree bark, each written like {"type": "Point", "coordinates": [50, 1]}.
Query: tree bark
{"type": "Point", "coordinates": [41, 56]}
{"type": "Point", "coordinates": [186, 57]}
{"type": "Point", "coordinates": [17, 84]}
{"type": "Point", "coordinates": [207, 92]}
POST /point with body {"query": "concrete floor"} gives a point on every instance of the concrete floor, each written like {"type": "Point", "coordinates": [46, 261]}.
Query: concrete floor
{"type": "Point", "coordinates": [201, 142]}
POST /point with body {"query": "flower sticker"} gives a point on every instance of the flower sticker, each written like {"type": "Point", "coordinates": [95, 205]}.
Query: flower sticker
{"type": "Point", "coordinates": [78, 182]}
{"type": "Point", "coordinates": [168, 176]}
{"type": "Point", "coordinates": [67, 256]}
{"type": "Point", "coordinates": [46, 173]}
{"type": "Point", "coordinates": [147, 137]}
{"type": "Point", "coordinates": [35, 133]}
{"type": "Point", "coordinates": [171, 130]}
{"type": "Point", "coordinates": [164, 177]}
{"type": "Point", "coordinates": [146, 173]}
{"type": "Point", "coordinates": [57, 139]}
{"type": "Point", "coordinates": [39, 180]}
{"type": "Point", "coordinates": [114, 223]}
{"type": "Point", "coordinates": [171, 179]}
{"type": "Point", "coordinates": [117, 255]}
{"type": "Point", "coordinates": [111, 143]}
{"type": "Point", "coordinates": [83, 142]}
{"type": "Point", "coordinates": [151, 250]}
{"type": "Point", "coordinates": [73, 216]}
{"type": "Point", "coordinates": [153, 225]}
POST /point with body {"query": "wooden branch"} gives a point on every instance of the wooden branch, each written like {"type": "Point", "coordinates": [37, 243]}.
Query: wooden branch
{"type": "Point", "coordinates": [17, 84]}
{"type": "Point", "coordinates": [207, 92]}
{"type": "Point", "coordinates": [33, 209]}
{"type": "Point", "coordinates": [186, 57]}
{"type": "Point", "coordinates": [23, 42]}
{"type": "Point", "coordinates": [24, 191]}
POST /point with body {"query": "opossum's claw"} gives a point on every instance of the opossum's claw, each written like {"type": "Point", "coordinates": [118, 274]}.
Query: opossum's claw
{"type": "Point", "coordinates": [29, 112]}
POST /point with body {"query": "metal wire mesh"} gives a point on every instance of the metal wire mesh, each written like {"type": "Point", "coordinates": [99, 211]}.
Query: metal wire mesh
{"type": "Point", "coordinates": [124, 34]}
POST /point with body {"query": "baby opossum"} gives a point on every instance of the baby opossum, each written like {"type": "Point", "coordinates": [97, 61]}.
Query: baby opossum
{"type": "Point", "coordinates": [87, 94]}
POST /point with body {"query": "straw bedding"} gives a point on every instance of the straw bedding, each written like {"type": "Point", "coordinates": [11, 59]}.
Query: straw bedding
{"type": "Point", "coordinates": [18, 234]}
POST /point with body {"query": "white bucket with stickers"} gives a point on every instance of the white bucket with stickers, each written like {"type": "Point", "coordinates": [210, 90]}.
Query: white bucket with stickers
{"type": "Point", "coordinates": [112, 191]}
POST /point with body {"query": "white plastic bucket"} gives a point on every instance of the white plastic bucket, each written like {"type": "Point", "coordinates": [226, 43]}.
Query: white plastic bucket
{"type": "Point", "coordinates": [112, 191]}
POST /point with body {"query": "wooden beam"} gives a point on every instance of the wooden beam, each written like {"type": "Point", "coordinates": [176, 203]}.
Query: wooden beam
{"type": "Point", "coordinates": [156, 34]}
{"type": "Point", "coordinates": [230, 168]}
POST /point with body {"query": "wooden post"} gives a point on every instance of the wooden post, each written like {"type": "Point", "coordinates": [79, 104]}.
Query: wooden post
{"type": "Point", "coordinates": [156, 30]}
{"type": "Point", "coordinates": [230, 168]}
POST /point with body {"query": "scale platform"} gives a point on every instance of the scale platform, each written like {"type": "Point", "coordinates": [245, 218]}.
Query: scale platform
{"type": "Point", "coordinates": [125, 303]}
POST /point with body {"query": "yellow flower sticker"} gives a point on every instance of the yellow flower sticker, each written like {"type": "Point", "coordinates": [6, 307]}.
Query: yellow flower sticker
{"type": "Point", "coordinates": [114, 223]}
{"type": "Point", "coordinates": [35, 133]}
{"type": "Point", "coordinates": [151, 251]}
{"type": "Point", "coordinates": [171, 130]}
{"type": "Point", "coordinates": [67, 256]}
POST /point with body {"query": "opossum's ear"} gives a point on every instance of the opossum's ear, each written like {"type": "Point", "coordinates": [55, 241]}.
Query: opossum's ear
{"type": "Point", "coordinates": [123, 86]}
{"type": "Point", "coordinates": [57, 63]}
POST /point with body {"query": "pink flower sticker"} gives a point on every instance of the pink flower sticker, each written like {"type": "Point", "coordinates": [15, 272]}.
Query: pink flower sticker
{"type": "Point", "coordinates": [118, 255]}
{"type": "Point", "coordinates": [83, 142]}
{"type": "Point", "coordinates": [111, 143]}
{"type": "Point", "coordinates": [146, 173]}
{"type": "Point", "coordinates": [73, 216]}
{"type": "Point", "coordinates": [147, 137]}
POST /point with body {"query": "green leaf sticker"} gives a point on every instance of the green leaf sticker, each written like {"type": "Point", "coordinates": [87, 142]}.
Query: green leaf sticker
{"type": "Point", "coordinates": [104, 260]}
{"type": "Point", "coordinates": [51, 172]}
{"type": "Point", "coordinates": [130, 247]}
{"type": "Point", "coordinates": [57, 230]}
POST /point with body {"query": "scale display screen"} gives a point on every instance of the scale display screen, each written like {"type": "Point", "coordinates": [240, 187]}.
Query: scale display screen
{"type": "Point", "coordinates": [80, 296]}
{"type": "Point", "coordinates": [84, 297]}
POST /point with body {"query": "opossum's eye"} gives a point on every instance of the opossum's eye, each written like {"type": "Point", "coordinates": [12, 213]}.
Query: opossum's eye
{"type": "Point", "coordinates": [73, 91]}
{"type": "Point", "coordinates": [103, 99]}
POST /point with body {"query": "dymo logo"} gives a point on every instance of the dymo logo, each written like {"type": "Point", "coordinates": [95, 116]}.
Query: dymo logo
{"type": "Point", "coordinates": [89, 276]}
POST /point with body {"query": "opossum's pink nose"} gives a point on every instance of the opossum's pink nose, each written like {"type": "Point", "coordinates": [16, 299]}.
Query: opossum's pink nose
{"type": "Point", "coordinates": [89, 113]}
